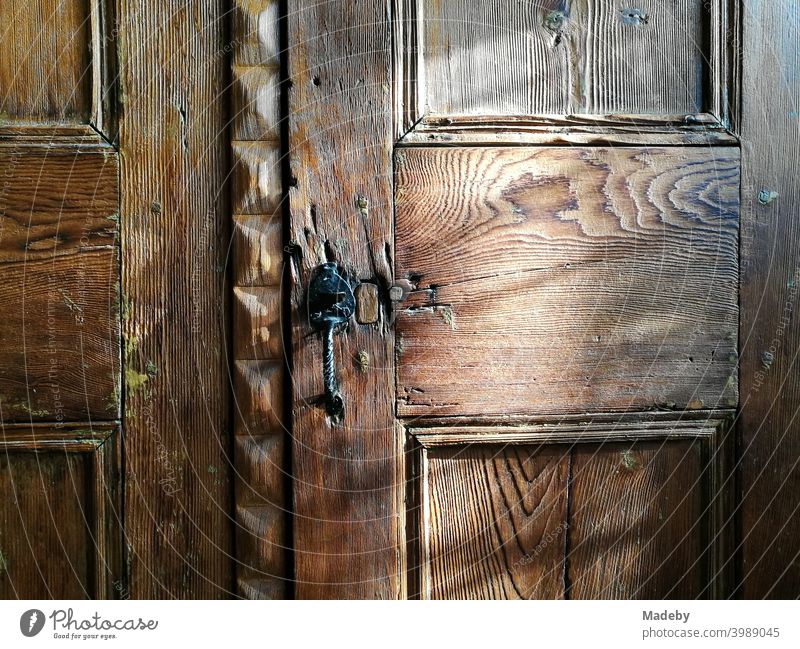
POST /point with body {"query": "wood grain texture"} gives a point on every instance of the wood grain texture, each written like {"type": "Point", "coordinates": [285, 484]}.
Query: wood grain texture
{"type": "Point", "coordinates": [770, 337]}
{"type": "Point", "coordinates": [554, 279]}
{"type": "Point", "coordinates": [346, 475]}
{"type": "Point", "coordinates": [260, 446]}
{"type": "Point", "coordinates": [494, 522]}
{"type": "Point", "coordinates": [59, 283]}
{"type": "Point", "coordinates": [175, 224]}
{"type": "Point", "coordinates": [59, 512]}
{"type": "Point", "coordinates": [552, 56]}
{"type": "Point", "coordinates": [46, 71]}
{"type": "Point", "coordinates": [638, 525]}
{"type": "Point", "coordinates": [632, 513]}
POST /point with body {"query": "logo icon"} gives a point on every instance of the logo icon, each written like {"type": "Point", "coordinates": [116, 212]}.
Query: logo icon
{"type": "Point", "coordinates": [31, 622]}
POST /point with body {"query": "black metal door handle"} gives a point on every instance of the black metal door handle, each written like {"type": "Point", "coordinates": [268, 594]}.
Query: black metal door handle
{"type": "Point", "coordinates": [330, 305]}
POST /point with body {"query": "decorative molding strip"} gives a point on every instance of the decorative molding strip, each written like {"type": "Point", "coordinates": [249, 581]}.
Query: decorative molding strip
{"type": "Point", "coordinates": [575, 429]}
{"type": "Point", "coordinates": [258, 371]}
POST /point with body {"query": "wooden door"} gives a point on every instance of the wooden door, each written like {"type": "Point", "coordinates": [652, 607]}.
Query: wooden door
{"type": "Point", "coordinates": [113, 227]}
{"type": "Point", "coordinates": [59, 286]}
{"type": "Point", "coordinates": [541, 208]}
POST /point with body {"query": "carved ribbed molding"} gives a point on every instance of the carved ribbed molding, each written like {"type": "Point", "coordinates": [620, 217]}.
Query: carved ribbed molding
{"type": "Point", "coordinates": [258, 374]}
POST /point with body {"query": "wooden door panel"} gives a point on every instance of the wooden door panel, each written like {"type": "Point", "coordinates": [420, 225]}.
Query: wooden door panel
{"type": "Point", "coordinates": [500, 509]}
{"type": "Point", "coordinates": [589, 56]}
{"type": "Point", "coordinates": [550, 279]}
{"type": "Point", "coordinates": [60, 348]}
{"type": "Point", "coordinates": [59, 280]}
{"type": "Point", "coordinates": [59, 513]}
{"type": "Point", "coordinates": [46, 73]}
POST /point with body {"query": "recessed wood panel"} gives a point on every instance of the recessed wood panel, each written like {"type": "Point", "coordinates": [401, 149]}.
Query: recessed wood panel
{"type": "Point", "coordinates": [548, 57]}
{"type": "Point", "coordinates": [547, 280]}
{"type": "Point", "coordinates": [494, 520]}
{"type": "Point", "coordinates": [46, 67]}
{"type": "Point", "coordinates": [44, 542]}
{"type": "Point", "coordinates": [633, 506]}
{"type": "Point", "coordinates": [58, 515]}
{"type": "Point", "coordinates": [638, 522]}
{"type": "Point", "coordinates": [59, 277]}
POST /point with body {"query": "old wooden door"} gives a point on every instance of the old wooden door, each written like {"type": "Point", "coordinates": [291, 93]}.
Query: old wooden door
{"type": "Point", "coordinates": [59, 336]}
{"type": "Point", "coordinates": [540, 205]}
{"type": "Point", "coordinates": [113, 220]}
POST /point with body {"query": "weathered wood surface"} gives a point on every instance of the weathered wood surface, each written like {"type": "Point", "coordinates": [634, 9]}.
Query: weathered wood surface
{"type": "Point", "coordinates": [260, 445]}
{"type": "Point", "coordinates": [496, 522]}
{"type": "Point", "coordinates": [770, 338]}
{"type": "Point", "coordinates": [345, 474]}
{"type": "Point", "coordinates": [552, 280]}
{"type": "Point", "coordinates": [175, 223]}
{"type": "Point", "coordinates": [59, 512]}
{"type": "Point", "coordinates": [580, 521]}
{"type": "Point", "coordinates": [59, 274]}
{"type": "Point", "coordinates": [587, 56]}
{"type": "Point", "coordinates": [46, 72]}
{"type": "Point", "coordinates": [638, 522]}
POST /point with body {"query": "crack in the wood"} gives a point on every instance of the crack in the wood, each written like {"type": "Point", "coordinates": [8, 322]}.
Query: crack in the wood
{"type": "Point", "coordinates": [566, 266]}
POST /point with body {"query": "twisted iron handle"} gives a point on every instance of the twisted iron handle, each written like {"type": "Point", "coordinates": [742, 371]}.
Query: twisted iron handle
{"type": "Point", "coordinates": [330, 305]}
{"type": "Point", "coordinates": [334, 404]}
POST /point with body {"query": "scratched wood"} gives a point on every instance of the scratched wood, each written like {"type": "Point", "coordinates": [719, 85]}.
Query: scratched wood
{"type": "Point", "coordinates": [340, 136]}
{"type": "Point", "coordinates": [175, 222]}
{"type": "Point", "coordinates": [770, 371]}
{"type": "Point", "coordinates": [495, 522]}
{"type": "Point", "coordinates": [59, 360]}
{"type": "Point", "coordinates": [58, 512]}
{"type": "Point", "coordinates": [553, 279]}
{"type": "Point", "coordinates": [549, 56]}
{"type": "Point", "coordinates": [260, 444]}
{"type": "Point", "coordinates": [638, 522]}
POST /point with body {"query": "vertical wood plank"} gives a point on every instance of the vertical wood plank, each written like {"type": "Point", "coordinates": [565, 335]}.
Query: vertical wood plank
{"type": "Point", "coordinates": [637, 522]}
{"type": "Point", "coordinates": [262, 557]}
{"type": "Point", "coordinates": [340, 110]}
{"type": "Point", "coordinates": [770, 337]}
{"type": "Point", "coordinates": [174, 230]}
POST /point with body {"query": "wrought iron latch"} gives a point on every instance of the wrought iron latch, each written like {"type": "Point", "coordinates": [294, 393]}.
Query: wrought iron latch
{"type": "Point", "coordinates": [330, 305]}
